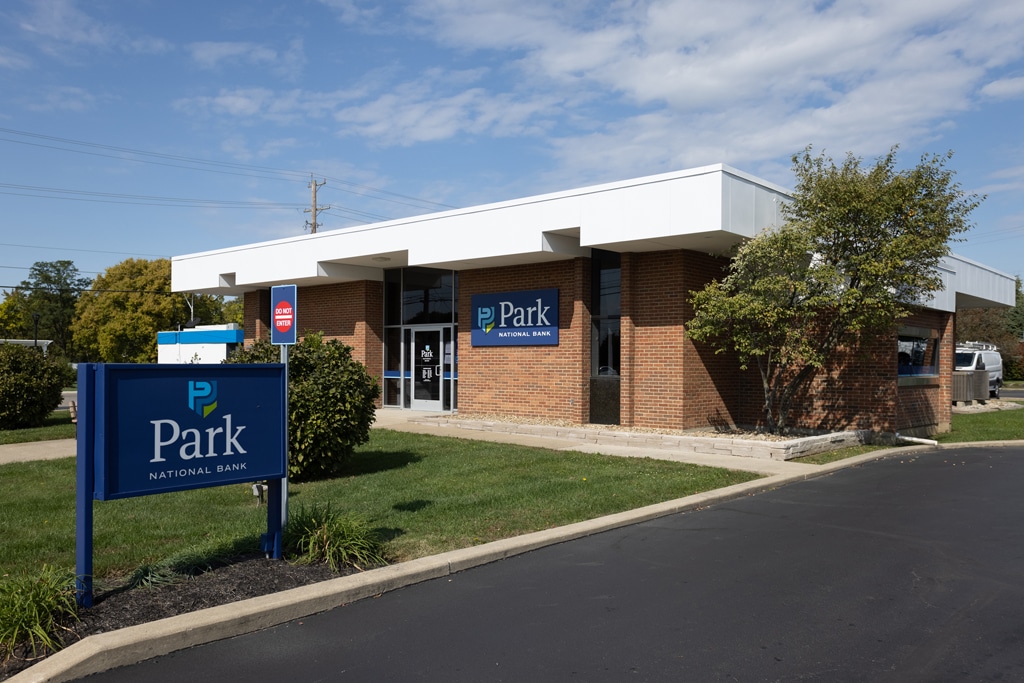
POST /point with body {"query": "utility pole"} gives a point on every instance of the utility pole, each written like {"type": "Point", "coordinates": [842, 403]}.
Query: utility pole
{"type": "Point", "coordinates": [313, 224]}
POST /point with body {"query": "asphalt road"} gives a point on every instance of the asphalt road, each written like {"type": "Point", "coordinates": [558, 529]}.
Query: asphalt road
{"type": "Point", "coordinates": [905, 569]}
{"type": "Point", "coordinates": [1011, 393]}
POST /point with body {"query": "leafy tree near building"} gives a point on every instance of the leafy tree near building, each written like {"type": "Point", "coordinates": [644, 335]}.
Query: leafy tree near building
{"type": "Point", "coordinates": [859, 248]}
{"type": "Point", "coordinates": [51, 293]}
{"type": "Point", "coordinates": [119, 316]}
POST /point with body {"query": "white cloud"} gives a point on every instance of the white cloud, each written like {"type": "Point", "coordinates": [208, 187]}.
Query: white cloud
{"type": "Point", "coordinates": [639, 86]}
{"type": "Point", "coordinates": [441, 106]}
{"type": "Point", "coordinates": [9, 59]}
{"type": "Point", "coordinates": [61, 22]}
{"type": "Point", "coordinates": [213, 55]}
{"type": "Point", "coordinates": [1004, 88]}
{"type": "Point", "coordinates": [350, 12]}
{"type": "Point", "coordinates": [743, 80]}
{"type": "Point", "coordinates": [210, 55]}
{"type": "Point", "coordinates": [289, 106]}
{"type": "Point", "coordinates": [59, 26]}
{"type": "Point", "coordinates": [67, 98]}
{"type": "Point", "coordinates": [237, 146]}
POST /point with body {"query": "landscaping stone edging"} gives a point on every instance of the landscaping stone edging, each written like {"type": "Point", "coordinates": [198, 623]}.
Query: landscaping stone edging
{"type": "Point", "coordinates": [744, 448]}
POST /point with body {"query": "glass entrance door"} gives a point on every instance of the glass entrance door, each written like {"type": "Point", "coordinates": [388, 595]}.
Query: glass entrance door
{"type": "Point", "coordinates": [426, 359]}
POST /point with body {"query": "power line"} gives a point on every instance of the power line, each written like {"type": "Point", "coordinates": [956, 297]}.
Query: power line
{"type": "Point", "coordinates": [93, 272]}
{"type": "Point", "coordinates": [217, 166]}
{"type": "Point", "coordinates": [92, 251]}
{"type": "Point", "coordinates": [84, 290]}
{"type": "Point", "coordinates": [117, 198]}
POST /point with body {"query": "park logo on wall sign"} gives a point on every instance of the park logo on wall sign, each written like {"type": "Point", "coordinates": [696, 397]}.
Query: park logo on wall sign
{"type": "Point", "coordinates": [528, 318]}
{"type": "Point", "coordinates": [163, 428]}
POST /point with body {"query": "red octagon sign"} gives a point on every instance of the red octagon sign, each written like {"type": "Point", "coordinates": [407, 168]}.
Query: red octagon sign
{"type": "Point", "coordinates": [284, 316]}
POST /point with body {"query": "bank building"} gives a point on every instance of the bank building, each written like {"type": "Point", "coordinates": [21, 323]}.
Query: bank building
{"type": "Point", "coordinates": [573, 305]}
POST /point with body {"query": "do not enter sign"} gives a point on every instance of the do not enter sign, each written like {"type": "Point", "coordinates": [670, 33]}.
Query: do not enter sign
{"type": "Point", "coordinates": [282, 315]}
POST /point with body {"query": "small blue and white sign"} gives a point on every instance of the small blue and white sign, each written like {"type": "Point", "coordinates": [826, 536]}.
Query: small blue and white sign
{"type": "Point", "coordinates": [283, 311]}
{"type": "Point", "coordinates": [163, 428]}
{"type": "Point", "coordinates": [528, 318]}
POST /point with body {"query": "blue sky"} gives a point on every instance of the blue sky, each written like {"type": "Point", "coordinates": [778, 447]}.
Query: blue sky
{"type": "Point", "coordinates": [149, 128]}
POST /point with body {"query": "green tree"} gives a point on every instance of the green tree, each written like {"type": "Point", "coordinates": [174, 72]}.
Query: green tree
{"type": "Point", "coordinates": [53, 289]}
{"type": "Point", "coordinates": [119, 316]}
{"type": "Point", "coordinates": [30, 386]}
{"type": "Point", "coordinates": [15, 321]}
{"type": "Point", "coordinates": [331, 401]}
{"type": "Point", "coordinates": [234, 310]}
{"type": "Point", "coordinates": [859, 249]}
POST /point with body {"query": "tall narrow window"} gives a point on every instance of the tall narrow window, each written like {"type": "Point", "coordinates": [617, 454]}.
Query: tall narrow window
{"type": "Point", "coordinates": [605, 344]}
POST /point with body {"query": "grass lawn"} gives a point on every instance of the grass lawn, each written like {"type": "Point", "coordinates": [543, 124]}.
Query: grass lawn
{"type": "Point", "coordinates": [425, 494]}
{"type": "Point", "coordinates": [838, 454]}
{"type": "Point", "coordinates": [1002, 425]}
{"type": "Point", "coordinates": [57, 426]}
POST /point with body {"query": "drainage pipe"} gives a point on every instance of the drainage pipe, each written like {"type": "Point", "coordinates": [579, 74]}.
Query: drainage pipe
{"type": "Point", "coordinates": [913, 439]}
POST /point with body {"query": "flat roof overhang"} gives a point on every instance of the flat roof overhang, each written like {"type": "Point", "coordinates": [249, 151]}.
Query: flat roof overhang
{"type": "Point", "coordinates": [707, 209]}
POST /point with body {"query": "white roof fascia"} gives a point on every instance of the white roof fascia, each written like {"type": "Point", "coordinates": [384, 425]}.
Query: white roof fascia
{"type": "Point", "coordinates": [708, 209]}
{"type": "Point", "coordinates": [969, 284]}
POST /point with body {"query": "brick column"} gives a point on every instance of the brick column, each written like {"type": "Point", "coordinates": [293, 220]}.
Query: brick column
{"type": "Point", "coordinates": [627, 340]}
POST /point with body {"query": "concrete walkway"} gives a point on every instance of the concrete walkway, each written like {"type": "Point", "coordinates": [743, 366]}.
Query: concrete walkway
{"type": "Point", "coordinates": [37, 450]}
{"type": "Point", "coordinates": [523, 435]}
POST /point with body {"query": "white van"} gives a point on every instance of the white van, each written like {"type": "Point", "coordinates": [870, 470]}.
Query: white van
{"type": "Point", "coordinates": [980, 356]}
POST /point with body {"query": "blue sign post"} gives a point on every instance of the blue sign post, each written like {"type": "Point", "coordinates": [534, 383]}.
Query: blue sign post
{"type": "Point", "coordinates": [146, 429]}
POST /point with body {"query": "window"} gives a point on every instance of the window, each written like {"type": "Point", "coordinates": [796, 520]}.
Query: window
{"type": "Point", "coordinates": [605, 338]}
{"type": "Point", "coordinates": [918, 352]}
{"type": "Point", "coordinates": [606, 311]}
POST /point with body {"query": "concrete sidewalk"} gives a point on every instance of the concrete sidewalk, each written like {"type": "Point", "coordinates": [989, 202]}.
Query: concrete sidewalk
{"type": "Point", "coordinates": [37, 450]}
{"type": "Point", "coordinates": [524, 435]}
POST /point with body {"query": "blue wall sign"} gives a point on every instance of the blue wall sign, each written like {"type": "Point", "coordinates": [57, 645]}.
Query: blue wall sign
{"type": "Point", "coordinates": [527, 318]}
{"type": "Point", "coordinates": [283, 314]}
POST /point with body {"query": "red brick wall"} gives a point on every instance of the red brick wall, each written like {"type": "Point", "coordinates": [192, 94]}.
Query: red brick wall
{"type": "Point", "coordinates": [856, 390]}
{"type": "Point", "coordinates": [860, 389]}
{"type": "Point", "coordinates": [668, 380]}
{"type": "Point", "coordinates": [530, 381]}
{"type": "Point", "coordinates": [351, 312]}
{"type": "Point", "coordinates": [256, 315]}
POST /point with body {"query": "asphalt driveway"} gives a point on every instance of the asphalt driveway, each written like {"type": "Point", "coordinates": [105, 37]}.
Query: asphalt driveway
{"type": "Point", "coordinates": [904, 569]}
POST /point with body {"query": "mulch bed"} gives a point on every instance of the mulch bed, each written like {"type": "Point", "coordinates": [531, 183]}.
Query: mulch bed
{"type": "Point", "coordinates": [247, 577]}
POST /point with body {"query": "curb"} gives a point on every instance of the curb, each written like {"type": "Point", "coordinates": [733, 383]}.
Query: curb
{"type": "Point", "coordinates": [135, 644]}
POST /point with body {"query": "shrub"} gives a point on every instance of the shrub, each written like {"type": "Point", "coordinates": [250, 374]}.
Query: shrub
{"type": "Point", "coordinates": [30, 386]}
{"type": "Point", "coordinates": [331, 403]}
{"type": "Point", "coordinates": [34, 608]}
{"type": "Point", "coordinates": [320, 534]}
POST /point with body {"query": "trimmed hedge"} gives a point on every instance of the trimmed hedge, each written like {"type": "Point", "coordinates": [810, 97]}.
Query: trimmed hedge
{"type": "Point", "coordinates": [331, 400]}
{"type": "Point", "coordinates": [30, 386]}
